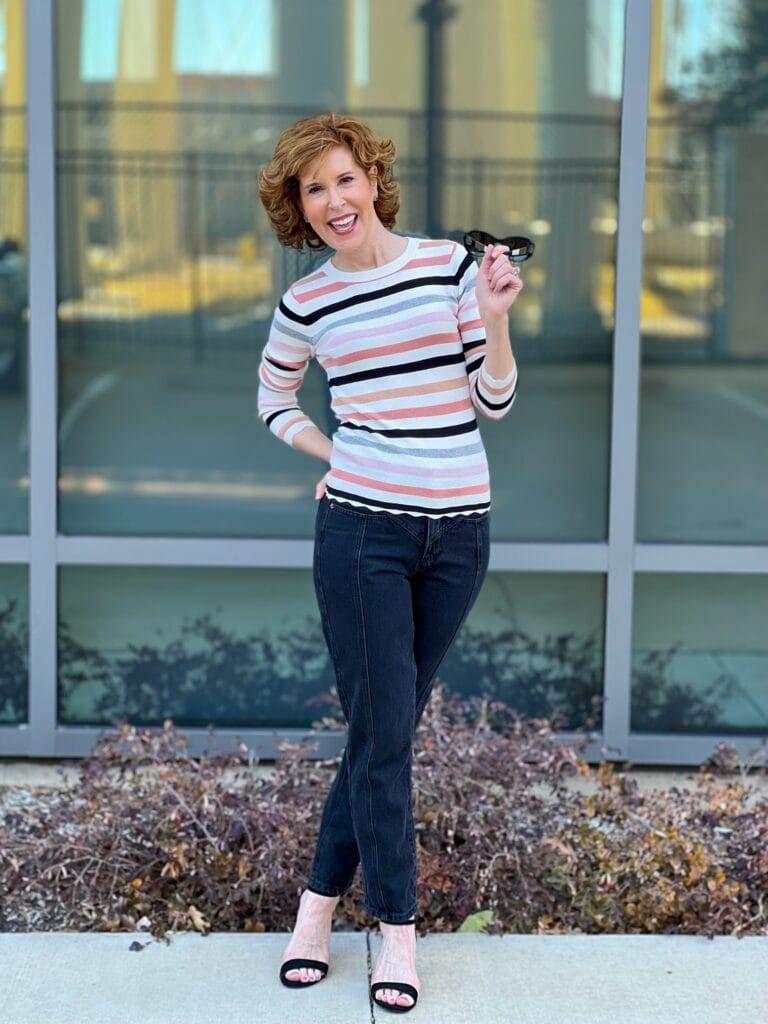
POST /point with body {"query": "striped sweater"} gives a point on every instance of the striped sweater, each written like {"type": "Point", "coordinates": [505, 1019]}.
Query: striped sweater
{"type": "Point", "coordinates": [403, 347]}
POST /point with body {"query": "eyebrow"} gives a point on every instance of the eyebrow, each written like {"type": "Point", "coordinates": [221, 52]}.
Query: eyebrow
{"type": "Point", "coordinates": [313, 182]}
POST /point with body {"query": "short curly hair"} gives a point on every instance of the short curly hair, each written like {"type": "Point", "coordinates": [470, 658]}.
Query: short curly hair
{"type": "Point", "coordinates": [312, 137]}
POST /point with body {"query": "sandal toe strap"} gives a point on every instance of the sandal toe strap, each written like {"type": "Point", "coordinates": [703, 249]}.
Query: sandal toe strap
{"type": "Point", "coordinates": [401, 986]}
{"type": "Point", "coordinates": [291, 965]}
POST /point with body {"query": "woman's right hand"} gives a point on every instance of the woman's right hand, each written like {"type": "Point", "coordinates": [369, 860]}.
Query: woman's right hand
{"type": "Point", "coordinates": [320, 487]}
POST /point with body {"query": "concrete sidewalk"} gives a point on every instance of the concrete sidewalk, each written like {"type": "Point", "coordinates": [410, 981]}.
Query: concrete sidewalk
{"type": "Point", "coordinates": [72, 978]}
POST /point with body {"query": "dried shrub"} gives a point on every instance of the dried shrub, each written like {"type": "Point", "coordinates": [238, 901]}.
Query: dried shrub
{"type": "Point", "coordinates": [152, 839]}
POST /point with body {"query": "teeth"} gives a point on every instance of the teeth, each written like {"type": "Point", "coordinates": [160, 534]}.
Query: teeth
{"type": "Point", "coordinates": [343, 223]}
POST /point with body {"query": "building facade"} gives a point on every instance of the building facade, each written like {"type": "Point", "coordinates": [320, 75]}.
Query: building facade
{"type": "Point", "coordinates": [156, 539]}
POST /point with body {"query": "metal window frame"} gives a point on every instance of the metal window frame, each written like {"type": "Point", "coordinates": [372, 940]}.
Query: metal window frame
{"type": "Point", "coordinates": [619, 559]}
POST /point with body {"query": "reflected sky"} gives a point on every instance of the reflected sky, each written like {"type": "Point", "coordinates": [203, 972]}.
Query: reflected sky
{"type": "Point", "coordinates": [226, 37]}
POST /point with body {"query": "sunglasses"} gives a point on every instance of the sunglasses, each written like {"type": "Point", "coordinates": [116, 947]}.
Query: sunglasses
{"type": "Point", "coordinates": [520, 248]}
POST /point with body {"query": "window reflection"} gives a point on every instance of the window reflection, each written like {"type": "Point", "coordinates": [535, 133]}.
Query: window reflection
{"type": "Point", "coordinates": [168, 272]}
{"type": "Point", "coordinates": [700, 654]}
{"type": "Point", "coordinates": [14, 435]}
{"type": "Point", "coordinates": [244, 647]}
{"type": "Point", "coordinates": [14, 645]}
{"type": "Point", "coordinates": [703, 472]}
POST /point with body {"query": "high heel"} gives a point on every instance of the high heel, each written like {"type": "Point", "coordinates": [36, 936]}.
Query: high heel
{"type": "Point", "coordinates": [402, 987]}
{"type": "Point", "coordinates": [301, 961]}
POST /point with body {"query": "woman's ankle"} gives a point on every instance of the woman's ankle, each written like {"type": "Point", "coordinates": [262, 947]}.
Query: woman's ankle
{"type": "Point", "coordinates": [316, 900]}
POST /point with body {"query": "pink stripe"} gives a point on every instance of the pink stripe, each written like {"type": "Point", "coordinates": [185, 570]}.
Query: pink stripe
{"type": "Point", "coordinates": [277, 385]}
{"type": "Point", "coordinates": [276, 348]}
{"type": "Point", "coordinates": [281, 430]}
{"type": "Point", "coordinates": [410, 345]}
{"type": "Point", "coordinates": [326, 289]}
{"type": "Point", "coordinates": [428, 261]}
{"type": "Point", "coordinates": [423, 492]}
{"type": "Point", "coordinates": [387, 393]}
{"type": "Point", "coordinates": [415, 411]}
{"type": "Point", "coordinates": [377, 330]}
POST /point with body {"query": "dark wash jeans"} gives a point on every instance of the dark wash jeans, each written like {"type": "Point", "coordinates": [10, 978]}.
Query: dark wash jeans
{"type": "Point", "coordinates": [393, 592]}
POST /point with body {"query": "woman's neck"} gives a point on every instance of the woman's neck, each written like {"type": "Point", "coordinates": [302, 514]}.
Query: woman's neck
{"type": "Point", "coordinates": [383, 249]}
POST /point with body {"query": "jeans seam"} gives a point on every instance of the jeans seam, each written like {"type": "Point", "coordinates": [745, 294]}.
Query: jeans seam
{"type": "Point", "coordinates": [324, 832]}
{"type": "Point", "coordinates": [325, 617]}
{"type": "Point", "coordinates": [372, 514]}
{"type": "Point", "coordinates": [370, 712]}
{"type": "Point", "coordinates": [466, 606]}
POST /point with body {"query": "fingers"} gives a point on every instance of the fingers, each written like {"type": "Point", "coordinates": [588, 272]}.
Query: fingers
{"type": "Point", "coordinates": [504, 275]}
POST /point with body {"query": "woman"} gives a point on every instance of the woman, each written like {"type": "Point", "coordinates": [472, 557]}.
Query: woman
{"type": "Point", "coordinates": [414, 340]}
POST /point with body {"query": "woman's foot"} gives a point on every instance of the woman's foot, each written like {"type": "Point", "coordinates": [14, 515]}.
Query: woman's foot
{"type": "Point", "coordinates": [311, 935]}
{"type": "Point", "coordinates": [396, 962]}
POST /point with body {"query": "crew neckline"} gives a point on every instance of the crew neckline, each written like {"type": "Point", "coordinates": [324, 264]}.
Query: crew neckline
{"type": "Point", "coordinates": [374, 272]}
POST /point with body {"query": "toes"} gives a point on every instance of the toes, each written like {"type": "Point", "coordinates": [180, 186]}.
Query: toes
{"type": "Point", "coordinates": [302, 974]}
{"type": "Point", "coordinates": [394, 995]}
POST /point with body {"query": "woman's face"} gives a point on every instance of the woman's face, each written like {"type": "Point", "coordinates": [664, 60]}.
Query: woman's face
{"type": "Point", "coordinates": [336, 188]}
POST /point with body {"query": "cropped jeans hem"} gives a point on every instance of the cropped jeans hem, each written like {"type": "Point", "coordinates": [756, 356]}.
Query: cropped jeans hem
{"type": "Point", "coordinates": [323, 890]}
{"type": "Point", "coordinates": [388, 918]}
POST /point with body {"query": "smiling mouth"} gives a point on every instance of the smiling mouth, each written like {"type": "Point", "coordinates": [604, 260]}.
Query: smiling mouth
{"type": "Point", "coordinates": [344, 228]}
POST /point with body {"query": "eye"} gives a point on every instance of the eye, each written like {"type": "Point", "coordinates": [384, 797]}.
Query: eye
{"type": "Point", "coordinates": [313, 188]}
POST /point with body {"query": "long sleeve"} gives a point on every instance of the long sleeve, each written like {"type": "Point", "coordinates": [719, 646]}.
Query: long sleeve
{"type": "Point", "coordinates": [491, 397]}
{"type": "Point", "coordinates": [284, 362]}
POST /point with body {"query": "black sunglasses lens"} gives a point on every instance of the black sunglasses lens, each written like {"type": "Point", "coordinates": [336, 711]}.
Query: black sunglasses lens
{"type": "Point", "coordinates": [476, 241]}
{"type": "Point", "coordinates": [520, 247]}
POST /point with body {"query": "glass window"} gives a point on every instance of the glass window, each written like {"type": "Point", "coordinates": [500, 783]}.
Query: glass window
{"type": "Point", "coordinates": [536, 642]}
{"type": "Point", "coordinates": [703, 452]}
{"type": "Point", "coordinates": [244, 647]}
{"type": "Point", "coordinates": [14, 436]}
{"type": "Point", "coordinates": [14, 644]}
{"type": "Point", "coordinates": [700, 654]}
{"type": "Point", "coordinates": [169, 272]}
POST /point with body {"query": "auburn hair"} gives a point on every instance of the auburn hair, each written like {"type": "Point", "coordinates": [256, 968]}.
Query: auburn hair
{"type": "Point", "coordinates": [307, 139]}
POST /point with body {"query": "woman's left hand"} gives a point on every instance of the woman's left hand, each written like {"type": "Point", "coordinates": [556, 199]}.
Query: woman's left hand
{"type": "Point", "coordinates": [498, 282]}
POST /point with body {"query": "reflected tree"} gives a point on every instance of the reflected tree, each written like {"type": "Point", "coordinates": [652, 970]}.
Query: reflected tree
{"type": "Point", "coordinates": [207, 675]}
{"type": "Point", "coordinates": [14, 664]}
{"type": "Point", "coordinates": [661, 704]}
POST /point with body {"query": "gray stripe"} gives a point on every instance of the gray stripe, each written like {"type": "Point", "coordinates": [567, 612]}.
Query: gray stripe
{"type": "Point", "coordinates": [435, 453]}
{"type": "Point", "coordinates": [283, 327]}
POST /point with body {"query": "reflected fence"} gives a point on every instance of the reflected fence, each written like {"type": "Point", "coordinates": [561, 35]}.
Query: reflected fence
{"type": "Point", "coordinates": [171, 249]}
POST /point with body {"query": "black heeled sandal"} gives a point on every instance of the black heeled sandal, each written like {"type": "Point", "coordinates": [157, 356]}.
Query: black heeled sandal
{"type": "Point", "coordinates": [292, 965]}
{"type": "Point", "coordinates": [301, 961]}
{"type": "Point", "coordinates": [402, 987]}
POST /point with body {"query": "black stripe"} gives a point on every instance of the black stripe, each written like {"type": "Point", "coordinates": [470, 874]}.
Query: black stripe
{"type": "Point", "coordinates": [496, 405]}
{"type": "Point", "coordinates": [469, 345]}
{"type": "Point", "coordinates": [380, 293]}
{"type": "Point", "coordinates": [333, 491]}
{"type": "Point", "coordinates": [391, 371]}
{"type": "Point", "coordinates": [274, 415]}
{"type": "Point", "coordinates": [280, 366]}
{"type": "Point", "coordinates": [460, 428]}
